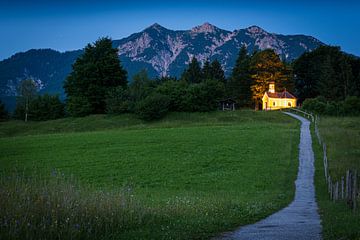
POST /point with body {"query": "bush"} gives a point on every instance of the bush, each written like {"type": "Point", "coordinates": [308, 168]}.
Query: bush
{"type": "Point", "coordinates": [314, 105]}
{"type": "Point", "coordinates": [175, 90]}
{"type": "Point", "coordinates": [152, 107]}
{"type": "Point", "coordinates": [78, 106]}
{"type": "Point", "coordinates": [349, 107]}
{"type": "Point", "coordinates": [332, 109]}
{"type": "Point", "coordinates": [117, 101]}
{"type": "Point", "coordinates": [45, 107]}
{"type": "Point", "coordinates": [203, 97]}
{"type": "Point", "coordinates": [3, 112]}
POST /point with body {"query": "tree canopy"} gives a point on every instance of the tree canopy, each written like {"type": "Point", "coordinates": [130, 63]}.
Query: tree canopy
{"type": "Point", "coordinates": [27, 91]}
{"type": "Point", "coordinates": [240, 79]}
{"type": "Point", "coordinates": [193, 73]}
{"type": "Point", "coordinates": [328, 72]}
{"type": "Point", "coordinates": [266, 67]}
{"type": "Point", "coordinates": [93, 74]}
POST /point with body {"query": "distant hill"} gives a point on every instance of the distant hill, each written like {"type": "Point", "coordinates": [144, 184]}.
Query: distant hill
{"type": "Point", "coordinates": [161, 51]}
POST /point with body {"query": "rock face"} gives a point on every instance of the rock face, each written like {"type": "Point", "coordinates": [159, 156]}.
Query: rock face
{"type": "Point", "coordinates": [159, 50]}
{"type": "Point", "coordinates": [167, 52]}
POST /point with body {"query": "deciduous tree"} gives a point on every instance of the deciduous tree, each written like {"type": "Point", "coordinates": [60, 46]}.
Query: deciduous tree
{"type": "Point", "coordinates": [266, 67]}
{"type": "Point", "coordinates": [27, 91]}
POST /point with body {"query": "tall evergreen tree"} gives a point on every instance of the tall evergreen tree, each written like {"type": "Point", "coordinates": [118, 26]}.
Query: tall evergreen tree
{"type": "Point", "coordinates": [327, 85]}
{"type": "Point", "coordinates": [207, 70]}
{"type": "Point", "coordinates": [193, 73]}
{"type": "Point", "coordinates": [266, 67]}
{"type": "Point", "coordinates": [305, 77]}
{"type": "Point", "coordinates": [93, 74]}
{"type": "Point", "coordinates": [354, 88]}
{"type": "Point", "coordinates": [240, 80]}
{"type": "Point", "coordinates": [217, 71]}
{"type": "Point", "coordinates": [345, 76]}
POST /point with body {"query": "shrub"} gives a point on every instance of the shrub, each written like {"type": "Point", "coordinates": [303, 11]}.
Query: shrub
{"type": "Point", "coordinates": [78, 106]}
{"type": "Point", "coordinates": [203, 97]}
{"type": "Point", "coordinates": [175, 90]}
{"type": "Point", "coordinates": [117, 101]}
{"type": "Point", "coordinates": [3, 112]}
{"type": "Point", "coordinates": [332, 109]}
{"type": "Point", "coordinates": [351, 105]}
{"type": "Point", "coordinates": [314, 105]}
{"type": "Point", "coordinates": [152, 107]}
{"type": "Point", "coordinates": [45, 107]}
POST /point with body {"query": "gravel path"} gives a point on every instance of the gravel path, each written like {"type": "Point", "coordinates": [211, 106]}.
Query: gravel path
{"type": "Point", "coordinates": [299, 220]}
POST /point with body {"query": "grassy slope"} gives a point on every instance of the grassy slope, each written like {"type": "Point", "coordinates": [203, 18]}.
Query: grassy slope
{"type": "Point", "coordinates": [200, 174]}
{"type": "Point", "coordinates": [342, 138]}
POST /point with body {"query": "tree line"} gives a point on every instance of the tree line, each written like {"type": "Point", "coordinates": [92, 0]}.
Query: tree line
{"type": "Point", "coordinates": [98, 84]}
{"type": "Point", "coordinates": [327, 81]}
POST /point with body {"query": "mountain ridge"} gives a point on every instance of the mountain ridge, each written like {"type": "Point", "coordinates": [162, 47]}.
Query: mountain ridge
{"type": "Point", "coordinates": [212, 41]}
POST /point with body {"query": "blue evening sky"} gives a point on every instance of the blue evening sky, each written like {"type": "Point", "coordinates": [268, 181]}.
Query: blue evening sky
{"type": "Point", "coordinates": [68, 25]}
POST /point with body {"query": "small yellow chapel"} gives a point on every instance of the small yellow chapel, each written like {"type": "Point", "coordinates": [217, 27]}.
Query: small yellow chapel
{"type": "Point", "coordinates": [277, 100]}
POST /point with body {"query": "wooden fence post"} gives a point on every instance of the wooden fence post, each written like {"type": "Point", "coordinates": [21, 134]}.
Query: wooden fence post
{"type": "Point", "coordinates": [350, 197]}
{"type": "Point", "coordinates": [325, 167]}
{"type": "Point", "coordinates": [347, 187]}
{"type": "Point", "coordinates": [330, 188]}
{"type": "Point", "coordinates": [342, 187]}
{"type": "Point", "coordinates": [354, 192]}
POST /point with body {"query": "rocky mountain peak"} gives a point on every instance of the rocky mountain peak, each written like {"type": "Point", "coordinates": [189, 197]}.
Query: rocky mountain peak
{"type": "Point", "coordinates": [156, 27]}
{"type": "Point", "coordinates": [204, 28]}
{"type": "Point", "coordinates": [255, 30]}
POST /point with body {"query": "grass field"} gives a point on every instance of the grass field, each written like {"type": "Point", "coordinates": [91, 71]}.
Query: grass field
{"type": "Point", "coordinates": [342, 136]}
{"type": "Point", "coordinates": [188, 176]}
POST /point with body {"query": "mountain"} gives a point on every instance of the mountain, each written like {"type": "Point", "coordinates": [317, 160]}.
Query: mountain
{"type": "Point", "coordinates": [160, 50]}
{"type": "Point", "coordinates": [167, 52]}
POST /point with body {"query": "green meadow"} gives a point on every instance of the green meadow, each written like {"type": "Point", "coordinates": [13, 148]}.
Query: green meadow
{"type": "Point", "coordinates": [187, 176]}
{"type": "Point", "coordinates": [342, 137]}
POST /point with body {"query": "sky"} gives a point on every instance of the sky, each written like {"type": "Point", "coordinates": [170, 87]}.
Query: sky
{"type": "Point", "coordinates": [69, 25]}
